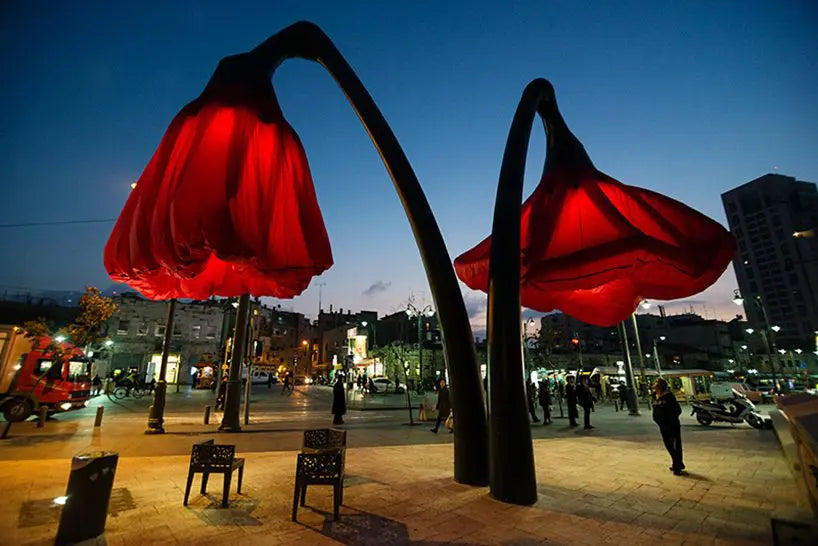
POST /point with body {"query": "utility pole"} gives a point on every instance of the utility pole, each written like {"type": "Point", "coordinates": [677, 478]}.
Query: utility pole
{"type": "Point", "coordinates": [633, 409]}
{"type": "Point", "coordinates": [156, 417]}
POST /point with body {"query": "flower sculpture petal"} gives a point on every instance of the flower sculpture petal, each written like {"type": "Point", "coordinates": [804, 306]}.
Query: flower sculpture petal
{"type": "Point", "coordinates": [226, 205]}
{"type": "Point", "coordinates": [593, 247]}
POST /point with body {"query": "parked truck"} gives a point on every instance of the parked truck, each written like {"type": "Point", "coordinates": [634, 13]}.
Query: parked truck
{"type": "Point", "coordinates": [34, 375]}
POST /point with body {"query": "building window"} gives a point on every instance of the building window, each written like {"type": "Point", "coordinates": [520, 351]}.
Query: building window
{"type": "Point", "coordinates": [196, 331]}
{"type": "Point", "coordinates": [210, 333]}
{"type": "Point", "coordinates": [142, 328]}
{"type": "Point", "coordinates": [160, 330]}
{"type": "Point", "coordinates": [124, 326]}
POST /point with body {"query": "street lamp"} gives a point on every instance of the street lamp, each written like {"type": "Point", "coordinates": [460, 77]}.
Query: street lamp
{"type": "Point", "coordinates": [767, 333]}
{"type": "Point", "coordinates": [60, 339]}
{"type": "Point", "coordinates": [656, 354]}
{"type": "Point", "coordinates": [412, 311]}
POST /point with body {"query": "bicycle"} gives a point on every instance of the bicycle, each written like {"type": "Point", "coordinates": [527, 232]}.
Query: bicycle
{"type": "Point", "coordinates": [121, 392]}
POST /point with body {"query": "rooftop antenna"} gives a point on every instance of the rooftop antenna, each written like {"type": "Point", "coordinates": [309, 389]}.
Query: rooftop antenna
{"type": "Point", "coordinates": [320, 286]}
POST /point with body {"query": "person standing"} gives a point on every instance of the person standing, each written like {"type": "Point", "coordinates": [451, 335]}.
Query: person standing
{"type": "Point", "coordinates": [444, 406]}
{"type": "Point", "coordinates": [623, 395]}
{"type": "Point", "coordinates": [97, 383]}
{"type": "Point", "coordinates": [288, 387]}
{"type": "Point", "coordinates": [571, 400]}
{"type": "Point", "coordinates": [586, 400]}
{"type": "Point", "coordinates": [544, 396]}
{"type": "Point", "coordinates": [339, 401]}
{"type": "Point", "coordinates": [531, 397]}
{"type": "Point", "coordinates": [666, 411]}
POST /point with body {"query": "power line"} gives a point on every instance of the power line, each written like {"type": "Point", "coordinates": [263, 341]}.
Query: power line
{"type": "Point", "coordinates": [58, 223]}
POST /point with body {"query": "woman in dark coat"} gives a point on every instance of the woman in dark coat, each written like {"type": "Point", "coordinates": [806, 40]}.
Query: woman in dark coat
{"type": "Point", "coordinates": [339, 401]}
{"type": "Point", "coordinates": [544, 396]}
{"type": "Point", "coordinates": [666, 411]}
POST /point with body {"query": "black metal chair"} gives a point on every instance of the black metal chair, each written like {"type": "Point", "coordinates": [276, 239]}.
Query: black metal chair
{"type": "Point", "coordinates": [321, 462]}
{"type": "Point", "coordinates": [210, 458]}
{"type": "Point", "coordinates": [325, 468]}
{"type": "Point", "coordinates": [322, 439]}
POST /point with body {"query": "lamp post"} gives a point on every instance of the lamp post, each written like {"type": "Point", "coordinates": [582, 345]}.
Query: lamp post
{"type": "Point", "coordinates": [412, 311]}
{"type": "Point", "coordinates": [767, 333]}
{"type": "Point", "coordinates": [526, 324]}
{"type": "Point", "coordinates": [633, 408]}
{"type": "Point", "coordinates": [230, 419]}
{"type": "Point", "coordinates": [645, 305]}
{"type": "Point", "coordinates": [156, 415]}
{"type": "Point", "coordinates": [656, 354]}
{"type": "Point", "coordinates": [366, 325]}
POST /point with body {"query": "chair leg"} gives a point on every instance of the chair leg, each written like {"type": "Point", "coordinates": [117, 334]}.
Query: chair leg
{"type": "Point", "coordinates": [187, 489]}
{"type": "Point", "coordinates": [303, 493]}
{"type": "Point", "coordinates": [342, 491]}
{"type": "Point", "coordinates": [296, 494]}
{"type": "Point", "coordinates": [228, 476]}
{"type": "Point", "coordinates": [205, 475]}
{"type": "Point", "coordinates": [241, 475]}
{"type": "Point", "coordinates": [336, 499]}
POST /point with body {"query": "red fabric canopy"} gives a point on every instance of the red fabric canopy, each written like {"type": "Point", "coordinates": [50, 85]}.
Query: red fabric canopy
{"type": "Point", "coordinates": [593, 248]}
{"type": "Point", "coordinates": [226, 205]}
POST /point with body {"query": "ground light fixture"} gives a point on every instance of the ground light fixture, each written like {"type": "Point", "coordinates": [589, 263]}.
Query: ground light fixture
{"type": "Point", "coordinates": [250, 221]}
{"type": "Point", "coordinates": [634, 244]}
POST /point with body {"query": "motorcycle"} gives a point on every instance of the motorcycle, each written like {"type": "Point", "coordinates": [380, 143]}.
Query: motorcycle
{"type": "Point", "coordinates": [735, 410]}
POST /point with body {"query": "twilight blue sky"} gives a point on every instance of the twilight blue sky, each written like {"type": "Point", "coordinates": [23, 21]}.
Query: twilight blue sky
{"type": "Point", "coordinates": [685, 98]}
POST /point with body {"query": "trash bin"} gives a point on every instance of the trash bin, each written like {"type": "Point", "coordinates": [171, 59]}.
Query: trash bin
{"type": "Point", "coordinates": [87, 496]}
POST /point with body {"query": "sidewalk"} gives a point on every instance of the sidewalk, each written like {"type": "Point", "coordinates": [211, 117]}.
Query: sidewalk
{"type": "Point", "coordinates": [594, 488]}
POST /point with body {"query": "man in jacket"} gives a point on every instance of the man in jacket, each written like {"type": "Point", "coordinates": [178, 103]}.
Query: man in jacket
{"type": "Point", "coordinates": [571, 400]}
{"type": "Point", "coordinates": [444, 406]}
{"type": "Point", "coordinates": [586, 400]}
{"type": "Point", "coordinates": [666, 411]}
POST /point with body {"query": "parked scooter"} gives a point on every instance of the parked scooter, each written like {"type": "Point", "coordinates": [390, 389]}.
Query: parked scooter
{"type": "Point", "coordinates": [735, 410]}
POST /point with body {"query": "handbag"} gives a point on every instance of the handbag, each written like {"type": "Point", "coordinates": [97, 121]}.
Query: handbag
{"type": "Point", "coordinates": [449, 423]}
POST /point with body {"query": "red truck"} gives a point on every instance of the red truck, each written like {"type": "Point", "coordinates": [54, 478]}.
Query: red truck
{"type": "Point", "coordinates": [32, 376]}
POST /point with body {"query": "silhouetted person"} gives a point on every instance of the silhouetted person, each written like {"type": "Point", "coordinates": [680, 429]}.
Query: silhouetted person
{"type": "Point", "coordinates": [288, 386]}
{"type": "Point", "coordinates": [531, 397]}
{"type": "Point", "coordinates": [666, 411]}
{"type": "Point", "coordinates": [586, 400]}
{"type": "Point", "coordinates": [444, 406]}
{"type": "Point", "coordinates": [623, 395]}
{"type": "Point", "coordinates": [97, 383]}
{"type": "Point", "coordinates": [571, 400]}
{"type": "Point", "coordinates": [151, 385]}
{"type": "Point", "coordinates": [544, 397]}
{"type": "Point", "coordinates": [339, 401]}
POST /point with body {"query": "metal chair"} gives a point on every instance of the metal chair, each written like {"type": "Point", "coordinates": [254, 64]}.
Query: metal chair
{"type": "Point", "coordinates": [210, 458]}
{"type": "Point", "coordinates": [324, 468]}
{"type": "Point", "coordinates": [322, 439]}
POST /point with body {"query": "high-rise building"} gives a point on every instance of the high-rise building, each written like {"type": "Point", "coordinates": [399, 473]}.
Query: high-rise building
{"type": "Point", "coordinates": [774, 219]}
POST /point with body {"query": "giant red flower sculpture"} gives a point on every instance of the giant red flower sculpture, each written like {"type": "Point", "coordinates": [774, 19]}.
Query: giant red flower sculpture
{"type": "Point", "coordinates": [226, 205]}
{"type": "Point", "coordinates": [593, 247]}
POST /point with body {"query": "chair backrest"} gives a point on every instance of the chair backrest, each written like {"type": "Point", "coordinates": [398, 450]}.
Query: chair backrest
{"type": "Point", "coordinates": [324, 438]}
{"type": "Point", "coordinates": [213, 456]}
{"type": "Point", "coordinates": [320, 466]}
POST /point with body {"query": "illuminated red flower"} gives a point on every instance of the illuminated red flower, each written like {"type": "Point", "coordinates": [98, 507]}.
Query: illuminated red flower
{"type": "Point", "coordinates": [226, 205]}
{"type": "Point", "coordinates": [593, 247]}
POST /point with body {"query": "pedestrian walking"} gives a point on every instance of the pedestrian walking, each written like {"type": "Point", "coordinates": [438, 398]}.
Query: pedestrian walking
{"type": "Point", "coordinates": [623, 395]}
{"type": "Point", "coordinates": [571, 400]}
{"type": "Point", "coordinates": [544, 397]}
{"type": "Point", "coordinates": [288, 386]}
{"type": "Point", "coordinates": [531, 397]}
{"type": "Point", "coordinates": [666, 411]}
{"type": "Point", "coordinates": [97, 383]}
{"type": "Point", "coordinates": [222, 393]}
{"type": "Point", "coordinates": [152, 385]}
{"type": "Point", "coordinates": [339, 401]}
{"type": "Point", "coordinates": [269, 380]}
{"type": "Point", "coordinates": [444, 406]}
{"type": "Point", "coordinates": [586, 400]}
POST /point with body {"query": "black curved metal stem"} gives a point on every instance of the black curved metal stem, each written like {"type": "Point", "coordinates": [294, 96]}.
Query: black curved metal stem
{"type": "Point", "coordinates": [308, 41]}
{"type": "Point", "coordinates": [512, 475]}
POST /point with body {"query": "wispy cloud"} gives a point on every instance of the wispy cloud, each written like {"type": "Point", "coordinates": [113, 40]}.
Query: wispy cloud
{"type": "Point", "coordinates": [377, 288]}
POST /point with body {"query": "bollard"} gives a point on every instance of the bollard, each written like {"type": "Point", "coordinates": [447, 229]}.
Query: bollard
{"type": "Point", "coordinates": [87, 496]}
{"type": "Point", "coordinates": [43, 416]}
{"type": "Point", "coordinates": [207, 415]}
{"type": "Point", "coordinates": [98, 419]}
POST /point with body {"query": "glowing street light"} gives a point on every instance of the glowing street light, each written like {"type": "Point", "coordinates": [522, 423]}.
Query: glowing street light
{"type": "Point", "coordinates": [60, 339]}
{"type": "Point", "coordinates": [775, 328]}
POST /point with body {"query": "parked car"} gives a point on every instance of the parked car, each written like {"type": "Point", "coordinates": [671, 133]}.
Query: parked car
{"type": "Point", "coordinates": [382, 384]}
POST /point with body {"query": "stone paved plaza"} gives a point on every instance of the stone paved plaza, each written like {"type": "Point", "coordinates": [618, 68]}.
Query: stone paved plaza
{"type": "Point", "coordinates": [607, 486]}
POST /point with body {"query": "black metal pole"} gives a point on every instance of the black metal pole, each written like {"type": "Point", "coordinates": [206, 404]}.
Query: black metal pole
{"type": "Point", "coordinates": [230, 419]}
{"type": "Point", "coordinates": [633, 407]}
{"type": "Point", "coordinates": [639, 349]}
{"type": "Point", "coordinates": [306, 40]}
{"type": "Point", "coordinates": [156, 415]}
{"type": "Point", "coordinates": [512, 475]}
